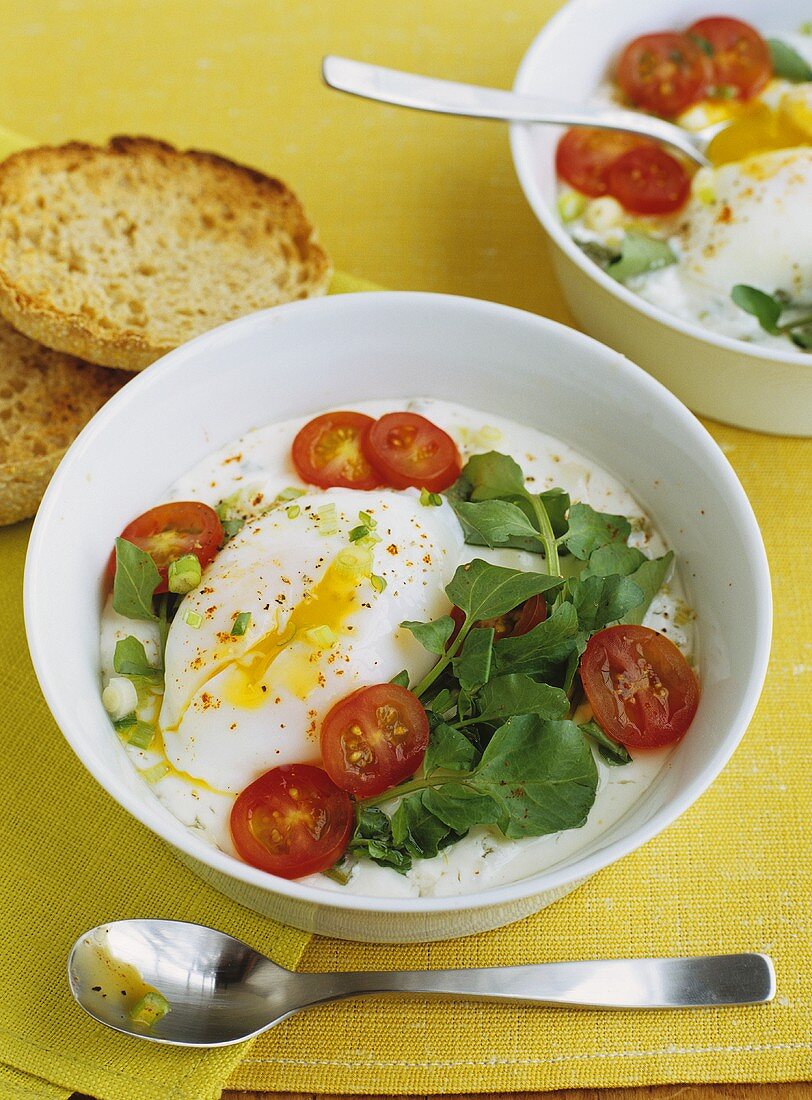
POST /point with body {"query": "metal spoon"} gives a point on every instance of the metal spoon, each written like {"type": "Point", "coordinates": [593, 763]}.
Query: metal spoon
{"type": "Point", "coordinates": [220, 991]}
{"type": "Point", "coordinates": [450, 98]}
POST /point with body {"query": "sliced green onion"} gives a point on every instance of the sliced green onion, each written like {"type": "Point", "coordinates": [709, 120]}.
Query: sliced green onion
{"type": "Point", "coordinates": [232, 526]}
{"type": "Point", "coordinates": [359, 533]}
{"type": "Point", "coordinates": [571, 205]}
{"type": "Point", "coordinates": [292, 511]}
{"type": "Point", "coordinates": [241, 624]}
{"type": "Point", "coordinates": [184, 574]}
{"type": "Point", "coordinates": [156, 773]}
{"type": "Point", "coordinates": [120, 697]}
{"type": "Point", "coordinates": [150, 1009]}
{"type": "Point", "coordinates": [367, 520]}
{"type": "Point", "coordinates": [291, 493]}
{"type": "Point", "coordinates": [321, 635]}
{"type": "Point", "coordinates": [430, 500]}
{"type": "Point", "coordinates": [192, 619]}
{"type": "Point", "coordinates": [125, 723]}
{"type": "Point", "coordinates": [328, 520]}
{"type": "Point", "coordinates": [140, 736]}
{"type": "Point", "coordinates": [378, 583]}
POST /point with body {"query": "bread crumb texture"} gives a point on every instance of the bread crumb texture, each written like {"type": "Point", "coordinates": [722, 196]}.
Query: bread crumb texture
{"type": "Point", "coordinates": [46, 398]}
{"type": "Point", "coordinates": [119, 254]}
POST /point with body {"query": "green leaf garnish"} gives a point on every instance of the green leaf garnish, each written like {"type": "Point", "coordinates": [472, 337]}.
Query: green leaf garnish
{"type": "Point", "coordinates": [766, 309]}
{"type": "Point", "coordinates": [640, 254]}
{"type": "Point", "coordinates": [484, 591]}
{"type": "Point", "coordinates": [649, 579]}
{"type": "Point", "coordinates": [589, 530]}
{"type": "Point", "coordinates": [130, 659]}
{"type": "Point", "coordinates": [402, 679]}
{"type": "Point", "coordinates": [600, 601]}
{"type": "Point", "coordinates": [517, 693]}
{"type": "Point", "coordinates": [472, 667]}
{"type": "Point", "coordinates": [432, 636]}
{"type": "Point", "coordinates": [136, 579]}
{"type": "Point", "coordinates": [540, 649]}
{"type": "Point", "coordinates": [611, 751]}
{"type": "Point", "coordinates": [787, 63]}
{"type": "Point", "coordinates": [449, 750]}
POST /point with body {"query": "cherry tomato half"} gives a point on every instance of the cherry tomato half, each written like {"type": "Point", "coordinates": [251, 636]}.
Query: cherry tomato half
{"type": "Point", "coordinates": [649, 181]}
{"type": "Point", "coordinates": [583, 156]}
{"type": "Point", "coordinates": [170, 531]}
{"type": "Point", "coordinates": [292, 821]}
{"type": "Point", "coordinates": [664, 73]}
{"type": "Point", "coordinates": [374, 739]}
{"type": "Point", "coordinates": [642, 691]}
{"type": "Point", "coordinates": [327, 452]}
{"type": "Point", "coordinates": [406, 449]}
{"type": "Point", "coordinates": [512, 624]}
{"type": "Point", "coordinates": [739, 55]}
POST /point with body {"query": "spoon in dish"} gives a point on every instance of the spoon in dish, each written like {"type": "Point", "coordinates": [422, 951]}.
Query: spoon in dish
{"type": "Point", "coordinates": [212, 990]}
{"type": "Point", "coordinates": [447, 97]}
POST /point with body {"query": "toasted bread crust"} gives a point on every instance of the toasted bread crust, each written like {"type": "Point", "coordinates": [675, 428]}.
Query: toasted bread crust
{"type": "Point", "coordinates": [118, 254]}
{"type": "Point", "coordinates": [46, 398]}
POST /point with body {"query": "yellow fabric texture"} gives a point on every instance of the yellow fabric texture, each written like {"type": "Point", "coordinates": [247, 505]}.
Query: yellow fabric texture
{"type": "Point", "coordinates": [425, 203]}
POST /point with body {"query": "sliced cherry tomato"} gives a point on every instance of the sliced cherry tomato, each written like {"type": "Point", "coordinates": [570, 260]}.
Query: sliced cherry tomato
{"type": "Point", "coordinates": [664, 73]}
{"type": "Point", "coordinates": [739, 55]}
{"type": "Point", "coordinates": [513, 624]}
{"type": "Point", "coordinates": [642, 691]}
{"type": "Point", "coordinates": [327, 452]}
{"type": "Point", "coordinates": [170, 531]}
{"type": "Point", "coordinates": [406, 449]}
{"type": "Point", "coordinates": [649, 181]}
{"type": "Point", "coordinates": [374, 739]}
{"type": "Point", "coordinates": [292, 821]}
{"type": "Point", "coordinates": [583, 156]}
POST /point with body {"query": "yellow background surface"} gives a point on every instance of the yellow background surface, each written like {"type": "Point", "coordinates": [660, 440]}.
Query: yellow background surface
{"type": "Point", "coordinates": [416, 202]}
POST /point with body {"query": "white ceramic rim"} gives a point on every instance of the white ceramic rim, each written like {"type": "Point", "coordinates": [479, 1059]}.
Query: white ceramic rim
{"type": "Point", "coordinates": [695, 434]}
{"type": "Point", "coordinates": [523, 160]}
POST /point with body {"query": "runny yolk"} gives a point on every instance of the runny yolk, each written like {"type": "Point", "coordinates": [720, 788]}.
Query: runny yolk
{"type": "Point", "coordinates": [758, 129]}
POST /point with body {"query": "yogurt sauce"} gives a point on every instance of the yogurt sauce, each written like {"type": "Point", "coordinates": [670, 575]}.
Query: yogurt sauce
{"type": "Point", "coordinates": [260, 462]}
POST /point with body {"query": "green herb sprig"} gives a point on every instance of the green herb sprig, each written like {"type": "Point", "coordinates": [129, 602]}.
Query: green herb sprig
{"type": "Point", "coordinates": [768, 309]}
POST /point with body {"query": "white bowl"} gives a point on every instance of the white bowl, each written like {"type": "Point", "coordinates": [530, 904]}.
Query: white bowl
{"type": "Point", "coordinates": [754, 387]}
{"type": "Point", "coordinates": [303, 357]}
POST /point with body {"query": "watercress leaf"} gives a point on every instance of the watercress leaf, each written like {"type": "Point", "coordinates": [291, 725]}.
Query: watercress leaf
{"type": "Point", "coordinates": [135, 581]}
{"type": "Point", "coordinates": [130, 659]}
{"type": "Point", "coordinates": [432, 636]}
{"type": "Point", "coordinates": [649, 579]}
{"type": "Point", "coordinates": [614, 558]}
{"type": "Point", "coordinates": [573, 661]}
{"type": "Point", "coordinates": [402, 679]}
{"type": "Point", "coordinates": [443, 701]}
{"type": "Point", "coordinates": [599, 601]}
{"type": "Point", "coordinates": [484, 591]}
{"type": "Point", "coordinates": [557, 505]}
{"type": "Point", "coordinates": [589, 530]}
{"type": "Point", "coordinates": [493, 475]}
{"type": "Point", "coordinates": [386, 856]}
{"type": "Point", "coordinates": [640, 253]}
{"type": "Point", "coordinates": [461, 807]}
{"type": "Point", "coordinates": [787, 63]}
{"type": "Point", "coordinates": [547, 644]}
{"type": "Point", "coordinates": [416, 829]}
{"type": "Point", "coordinates": [765, 308]}
{"type": "Point", "coordinates": [472, 666]}
{"type": "Point", "coordinates": [519, 694]}
{"type": "Point", "coordinates": [448, 750]}
{"type": "Point", "coordinates": [494, 523]}
{"type": "Point", "coordinates": [542, 774]}
{"type": "Point", "coordinates": [611, 751]}
{"type": "Point", "coordinates": [373, 824]}
{"type": "Point", "coordinates": [600, 254]}
{"type": "Point", "coordinates": [802, 337]}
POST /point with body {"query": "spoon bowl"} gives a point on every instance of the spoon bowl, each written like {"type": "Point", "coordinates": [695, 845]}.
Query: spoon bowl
{"type": "Point", "coordinates": [220, 991]}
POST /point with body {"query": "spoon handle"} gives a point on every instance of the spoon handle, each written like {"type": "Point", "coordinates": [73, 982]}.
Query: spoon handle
{"type": "Point", "coordinates": [448, 97]}
{"type": "Point", "coordinates": [611, 983]}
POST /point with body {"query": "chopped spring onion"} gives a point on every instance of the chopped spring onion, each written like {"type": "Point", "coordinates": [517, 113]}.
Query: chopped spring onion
{"type": "Point", "coordinates": [292, 511]}
{"type": "Point", "coordinates": [571, 205]}
{"type": "Point", "coordinates": [156, 773]}
{"type": "Point", "coordinates": [367, 520]}
{"type": "Point", "coordinates": [140, 735]}
{"type": "Point", "coordinates": [241, 624]}
{"type": "Point", "coordinates": [291, 493]}
{"type": "Point", "coordinates": [124, 723]}
{"type": "Point", "coordinates": [184, 574]}
{"type": "Point", "coordinates": [192, 619]}
{"type": "Point", "coordinates": [358, 533]}
{"type": "Point", "coordinates": [430, 500]}
{"type": "Point", "coordinates": [378, 583]}
{"type": "Point", "coordinates": [150, 1009]}
{"type": "Point", "coordinates": [352, 562]}
{"type": "Point", "coordinates": [321, 635]}
{"type": "Point", "coordinates": [119, 698]}
{"type": "Point", "coordinates": [328, 520]}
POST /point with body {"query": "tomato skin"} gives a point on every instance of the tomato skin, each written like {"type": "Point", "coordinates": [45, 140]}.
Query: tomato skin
{"type": "Point", "coordinates": [584, 154]}
{"type": "Point", "coordinates": [171, 530]}
{"type": "Point", "coordinates": [312, 818]}
{"type": "Point", "coordinates": [649, 181]}
{"type": "Point", "coordinates": [513, 624]}
{"type": "Point", "coordinates": [327, 452]}
{"type": "Point", "coordinates": [408, 450]}
{"type": "Point", "coordinates": [642, 691]}
{"type": "Point", "coordinates": [374, 738]}
{"type": "Point", "coordinates": [664, 73]}
{"type": "Point", "coordinates": [741, 58]}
